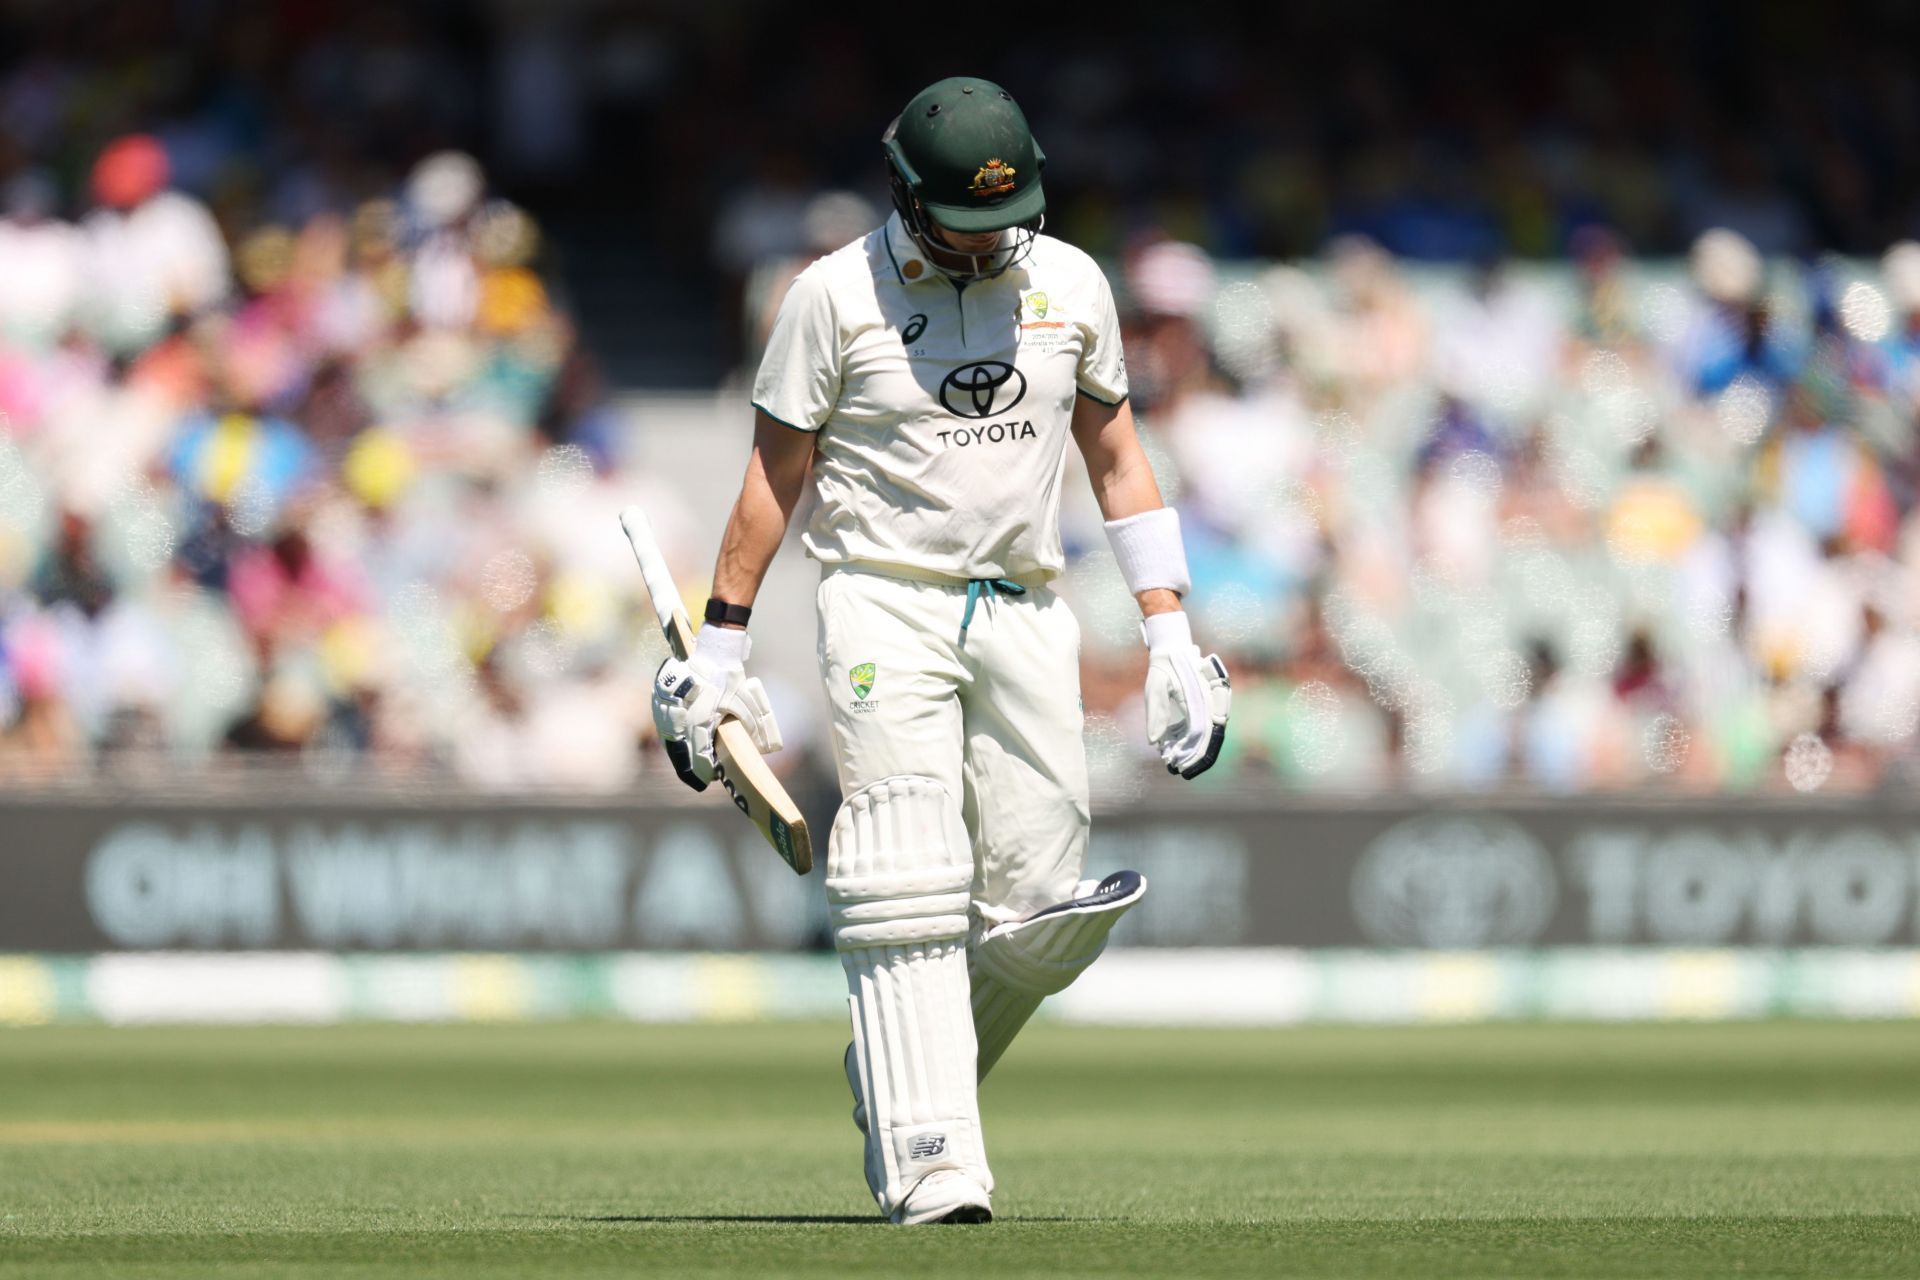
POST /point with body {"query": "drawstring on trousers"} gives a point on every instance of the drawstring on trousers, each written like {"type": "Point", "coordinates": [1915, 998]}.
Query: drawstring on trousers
{"type": "Point", "coordinates": [977, 587]}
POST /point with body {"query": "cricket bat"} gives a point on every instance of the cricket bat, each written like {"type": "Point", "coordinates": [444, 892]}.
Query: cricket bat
{"type": "Point", "coordinates": [743, 771]}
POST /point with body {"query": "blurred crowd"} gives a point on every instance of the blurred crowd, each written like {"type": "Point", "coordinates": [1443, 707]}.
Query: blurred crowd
{"type": "Point", "coordinates": [673, 147]}
{"type": "Point", "coordinates": [1266, 131]}
{"type": "Point", "coordinates": [301, 458]}
{"type": "Point", "coordinates": [341, 492]}
{"type": "Point", "coordinates": [1604, 525]}
{"type": "Point", "coordinates": [318, 494]}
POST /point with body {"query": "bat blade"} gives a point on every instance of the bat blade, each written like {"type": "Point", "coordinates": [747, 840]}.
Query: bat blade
{"type": "Point", "coordinates": [757, 793]}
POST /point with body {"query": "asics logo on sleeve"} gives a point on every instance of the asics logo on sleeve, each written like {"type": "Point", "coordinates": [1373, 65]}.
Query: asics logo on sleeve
{"type": "Point", "coordinates": [982, 389]}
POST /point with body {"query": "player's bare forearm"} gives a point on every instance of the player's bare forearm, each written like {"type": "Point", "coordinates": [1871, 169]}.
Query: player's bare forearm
{"type": "Point", "coordinates": [776, 475]}
{"type": "Point", "coordinates": [1123, 482]}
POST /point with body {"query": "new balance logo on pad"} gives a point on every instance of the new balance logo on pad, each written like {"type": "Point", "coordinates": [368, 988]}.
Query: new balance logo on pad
{"type": "Point", "coordinates": [927, 1146]}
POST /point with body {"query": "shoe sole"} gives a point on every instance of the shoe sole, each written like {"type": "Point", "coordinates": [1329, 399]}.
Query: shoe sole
{"type": "Point", "coordinates": [968, 1213]}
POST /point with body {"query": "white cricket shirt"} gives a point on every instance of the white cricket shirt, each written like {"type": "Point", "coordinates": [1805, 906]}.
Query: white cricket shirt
{"type": "Point", "coordinates": [942, 414]}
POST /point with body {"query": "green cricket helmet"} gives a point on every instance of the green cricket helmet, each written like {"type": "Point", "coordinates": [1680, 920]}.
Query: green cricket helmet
{"type": "Point", "coordinates": [961, 155]}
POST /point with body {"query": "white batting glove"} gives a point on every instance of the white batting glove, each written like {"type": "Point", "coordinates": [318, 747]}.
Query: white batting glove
{"type": "Point", "coordinates": [691, 698]}
{"type": "Point", "coordinates": [1188, 697]}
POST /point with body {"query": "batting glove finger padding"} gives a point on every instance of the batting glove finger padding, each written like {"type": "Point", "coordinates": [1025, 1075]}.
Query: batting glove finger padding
{"type": "Point", "coordinates": [719, 658]}
{"type": "Point", "coordinates": [686, 710]}
{"type": "Point", "coordinates": [750, 705]}
{"type": "Point", "coordinates": [1188, 697]}
{"type": "Point", "coordinates": [691, 698]}
{"type": "Point", "coordinates": [1219, 706]}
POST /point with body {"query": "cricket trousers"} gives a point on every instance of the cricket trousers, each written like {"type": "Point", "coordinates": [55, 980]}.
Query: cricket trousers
{"type": "Point", "coordinates": [957, 730]}
{"type": "Point", "coordinates": [991, 711]}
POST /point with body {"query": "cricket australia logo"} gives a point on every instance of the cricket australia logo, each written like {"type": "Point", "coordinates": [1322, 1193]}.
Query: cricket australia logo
{"type": "Point", "coordinates": [982, 389]}
{"type": "Point", "coordinates": [927, 1146]}
{"type": "Point", "coordinates": [1031, 315]}
{"type": "Point", "coordinates": [861, 678]}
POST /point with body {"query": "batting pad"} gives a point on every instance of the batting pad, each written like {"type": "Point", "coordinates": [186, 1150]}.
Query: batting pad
{"type": "Point", "coordinates": [1018, 964]}
{"type": "Point", "coordinates": [899, 865]}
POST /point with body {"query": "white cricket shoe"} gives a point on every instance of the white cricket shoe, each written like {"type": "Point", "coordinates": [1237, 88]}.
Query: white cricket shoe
{"type": "Point", "coordinates": [945, 1195]}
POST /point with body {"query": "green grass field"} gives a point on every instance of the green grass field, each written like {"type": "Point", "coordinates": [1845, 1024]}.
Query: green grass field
{"type": "Point", "coordinates": [612, 1150]}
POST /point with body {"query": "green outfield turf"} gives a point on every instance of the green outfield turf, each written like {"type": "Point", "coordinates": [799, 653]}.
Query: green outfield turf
{"type": "Point", "coordinates": [1775, 1150]}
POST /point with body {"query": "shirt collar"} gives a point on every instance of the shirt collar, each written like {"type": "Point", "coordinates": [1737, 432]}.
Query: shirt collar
{"type": "Point", "coordinates": [909, 264]}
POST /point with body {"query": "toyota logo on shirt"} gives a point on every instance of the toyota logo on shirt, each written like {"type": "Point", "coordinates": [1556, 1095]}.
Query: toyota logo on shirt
{"type": "Point", "coordinates": [982, 389]}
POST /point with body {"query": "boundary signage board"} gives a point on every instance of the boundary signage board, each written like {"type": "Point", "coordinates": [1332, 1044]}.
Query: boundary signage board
{"type": "Point", "coordinates": [87, 873]}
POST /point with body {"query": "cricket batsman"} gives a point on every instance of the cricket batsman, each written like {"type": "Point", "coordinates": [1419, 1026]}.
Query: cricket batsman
{"type": "Point", "coordinates": [925, 380]}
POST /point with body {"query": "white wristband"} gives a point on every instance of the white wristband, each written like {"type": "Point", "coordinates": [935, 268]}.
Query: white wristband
{"type": "Point", "coordinates": [1150, 552]}
{"type": "Point", "coordinates": [721, 646]}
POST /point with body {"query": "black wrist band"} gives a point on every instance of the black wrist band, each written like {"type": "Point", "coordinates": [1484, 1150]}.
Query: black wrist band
{"type": "Point", "coordinates": [734, 615]}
